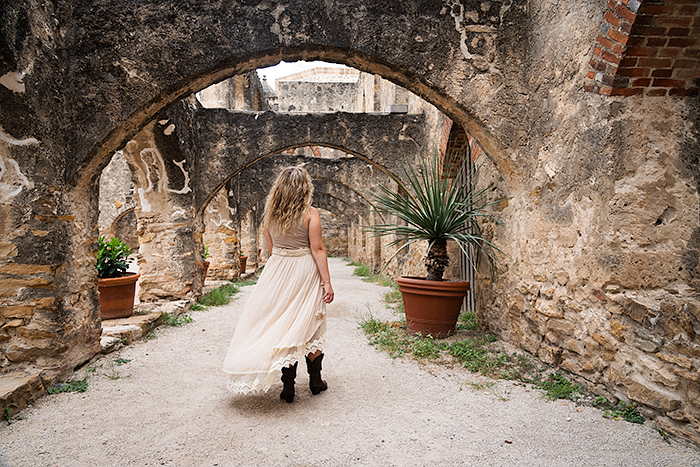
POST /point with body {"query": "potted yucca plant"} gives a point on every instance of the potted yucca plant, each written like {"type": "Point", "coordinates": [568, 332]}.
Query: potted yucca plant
{"type": "Point", "coordinates": [435, 206]}
{"type": "Point", "coordinates": [117, 287]}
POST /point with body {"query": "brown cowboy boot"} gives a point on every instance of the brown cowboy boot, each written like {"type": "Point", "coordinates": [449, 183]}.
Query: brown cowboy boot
{"type": "Point", "coordinates": [288, 375]}
{"type": "Point", "coordinates": [316, 384]}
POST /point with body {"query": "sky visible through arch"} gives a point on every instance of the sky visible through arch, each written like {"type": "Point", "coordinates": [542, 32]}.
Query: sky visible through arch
{"type": "Point", "coordinates": [286, 69]}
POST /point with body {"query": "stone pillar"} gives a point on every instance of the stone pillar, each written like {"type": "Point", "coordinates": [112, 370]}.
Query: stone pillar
{"type": "Point", "coordinates": [219, 235]}
{"type": "Point", "coordinates": [169, 257]}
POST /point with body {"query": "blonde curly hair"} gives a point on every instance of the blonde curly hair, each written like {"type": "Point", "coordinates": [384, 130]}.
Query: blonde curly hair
{"type": "Point", "coordinates": [288, 200]}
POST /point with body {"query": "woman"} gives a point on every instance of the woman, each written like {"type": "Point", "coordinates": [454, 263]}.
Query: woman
{"type": "Point", "coordinates": [285, 317]}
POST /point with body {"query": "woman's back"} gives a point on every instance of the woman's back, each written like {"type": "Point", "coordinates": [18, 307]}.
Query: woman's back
{"type": "Point", "coordinates": [292, 240]}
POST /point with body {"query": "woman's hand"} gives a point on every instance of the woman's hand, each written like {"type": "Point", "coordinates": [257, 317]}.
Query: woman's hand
{"type": "Point", "coordinates": [328, 294]}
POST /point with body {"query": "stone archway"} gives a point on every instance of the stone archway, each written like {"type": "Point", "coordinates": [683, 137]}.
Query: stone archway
{"type": "Point", "coordinates": [601, 227]}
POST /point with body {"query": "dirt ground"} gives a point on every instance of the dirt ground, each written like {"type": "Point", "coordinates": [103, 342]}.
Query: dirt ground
{"type": "Point", "coordinates": [168, 405]}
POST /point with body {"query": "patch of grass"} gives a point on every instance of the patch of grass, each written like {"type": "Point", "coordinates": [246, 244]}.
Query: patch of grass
{"type": "Point", "coordinates": [363, 270]}
{"type": "Point", "coordinates": [172, 319]}
{"type": "Point", "coordinates": [624, 411]}
{"type": "Point", "coordinates": [467, 321]}
{"type": "Point", "coordinates": [69, 386]}
{"type": "Point", "coordinates": [198, 307]}
{"type": "Point", "coordinates": [219, 296]}
{"type": "Point", "coordinates": [556, 386]}
{"type": "Point", "coordinates": [121, 361]}
{"type": "Point", "coordinates": [476, 356]}
{"type": "Point", "coordinates": [251, 281]}
{"type": "Point", "coordinates": [9, 417]}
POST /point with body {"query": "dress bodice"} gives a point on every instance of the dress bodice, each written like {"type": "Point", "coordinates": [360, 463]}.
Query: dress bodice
{"type": "Point", "coordinates": [294, 239]}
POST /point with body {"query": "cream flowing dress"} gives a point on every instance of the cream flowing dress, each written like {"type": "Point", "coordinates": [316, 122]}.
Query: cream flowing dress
{"type": "Point", "coordinates": [283, 320]}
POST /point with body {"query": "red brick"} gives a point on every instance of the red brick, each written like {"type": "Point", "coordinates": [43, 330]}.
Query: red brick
{"type": "Point", "coordinates": [607, 90]}
{"type": "Point", "coordinates": [654, 9]}
{"type": "Point", "coordinates": [687, 10]}
{"type": "Point", "coordinates": [624, 13]}
{"type": "Point", "coordinates": [656, 41]}
{"type": "Point", "coordinates": [683, 92]}
{"type": "Point", "coordinates": [655, 62]}
{"type": "Point", "coordinates": [591, 88]}
{"type": "Point", "coordinates": [644, 20]}
{"type": "Point", "coordinates": [668, 83]}
{"type": "Point", "coordinates": [662, 73]}
{"type": "Point", "coordinates": [687, 73]}
{"type": "Point", "coordinates": [693, 53]}
{"type": "Point", "coordinates": [590, 75]}
{"type": "Point", "coordinates": [650, 31]}
{"type": "Point", "coordinates": [633, 72]}
{"type": "Point", "coordinates": [641, 82]}
{"type": "Point", "coordinates": [618, 36]}
{"type": "Point", "coordinates": [612, 4]}
{"type": "Point", "coordinates": [612, 58]}
{"type": "Point", "coordinates": [628, 62]}
{"type": "Point", "coordinates": [617, 49]}
{"type": "Point", "coordinates": [686, 63]}
{"type": "Point", "coordinates": [611, 18]}
{"type": "Point", "coordinates": [641, 52]}
{"type": "Point", "coordinates": [669, 52]}
{"type": "Point", "coordinates": [599, 66]}
{"type": "Point", "coordinates": [633, 41]}
{"type": "Point", "coordinates": [656, 92]}
{"type": "Point", "coordinates": [678, 42]}
{"type": "Point", "coordinates": [680, 2]}
{"type": "Point", "coordinates": [626, 27]}
{"type": "Point", "coordinates": [663, 21]}
{"type": "Point", "coordinates": [626, 91]}
{"type": "Point", "coordinates": [679, 32]}
{"type": "Point", "coordinates": [604, 42]}
{"type": "Point", "coordinates": [597, 51]}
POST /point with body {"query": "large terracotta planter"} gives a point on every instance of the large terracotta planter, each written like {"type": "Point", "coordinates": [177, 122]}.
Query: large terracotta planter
{"type": "Point", "coordinates": [117, 296]}
{"type": "Point", "coordinates": [432, 307]}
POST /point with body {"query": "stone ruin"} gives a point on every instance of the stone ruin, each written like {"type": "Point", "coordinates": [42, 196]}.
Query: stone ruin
{"type": "Point", "coordinates": [587, 113]}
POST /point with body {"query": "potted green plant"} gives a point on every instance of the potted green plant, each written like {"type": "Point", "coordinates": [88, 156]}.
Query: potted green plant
{"type": "Point", "coordinates": [435, 207]}
{"type": "Point", "coordinates": [117, 287]}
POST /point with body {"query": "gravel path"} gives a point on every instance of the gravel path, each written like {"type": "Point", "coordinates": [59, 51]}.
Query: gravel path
{"type": "Point", "coordinates": [170, 407]}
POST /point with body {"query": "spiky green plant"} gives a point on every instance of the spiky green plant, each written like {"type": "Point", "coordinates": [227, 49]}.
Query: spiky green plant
{"type": "Point", "coordinates": [436, 207]}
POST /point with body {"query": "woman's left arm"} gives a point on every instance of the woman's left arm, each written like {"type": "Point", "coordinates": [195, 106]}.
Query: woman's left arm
{"type": "Point", "coordinates": [319, 253]}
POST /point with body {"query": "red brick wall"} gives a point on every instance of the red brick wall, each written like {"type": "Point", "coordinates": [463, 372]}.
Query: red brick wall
{"type": "Point", "coordinates": [649, 47]}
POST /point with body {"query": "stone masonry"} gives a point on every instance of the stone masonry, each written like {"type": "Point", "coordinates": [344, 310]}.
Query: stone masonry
{"type": "Point", "coordinates": [587, 112]}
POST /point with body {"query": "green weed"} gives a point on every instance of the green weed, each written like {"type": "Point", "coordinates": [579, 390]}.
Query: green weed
{"type": "Point", "coordinates": [247, 282]}
{"type": "Point", "coordinates": [363, 270]}
{"type": "Point", "coordinates": [69, 386]}
{"type": "Point", "coordinates": [467, 321]}
{"type": "Point", "coordinates": [198, 307]}
{"type": "Point", "coordinates": [219, 296]}
{"type": "Point", "coordinates": [121, 361]}
{"type": "Point", "coordinates": [558, 387]}
{"type": "Point", "coordinates": [172, 319]}
{"type": "Point", "coordinates": [624, 411]}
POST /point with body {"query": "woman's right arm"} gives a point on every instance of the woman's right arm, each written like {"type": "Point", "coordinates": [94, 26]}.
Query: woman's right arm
{"type": "Point", "coordinates": [319, 253]}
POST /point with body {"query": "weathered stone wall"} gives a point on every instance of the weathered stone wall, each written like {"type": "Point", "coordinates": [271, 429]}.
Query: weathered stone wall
{"type": "Point", "coordinates": [299, 96]}
{"type": "Point", "coordinates": [335, 233]}
{"type": "Point", "coordinates": [117, 203]}
{"type": "Point", "coordinates": [221, 236]}
{"type": "Point", "coordinates": [601, 227]}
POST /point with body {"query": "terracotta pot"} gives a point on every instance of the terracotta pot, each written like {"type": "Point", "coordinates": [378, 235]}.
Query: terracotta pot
{"type": "Point", "coordinates": [117, 296]}
{"type": "Point", "coordinates": [432, 307]}
{"type": "Point", "coordinates": [243, 260]}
